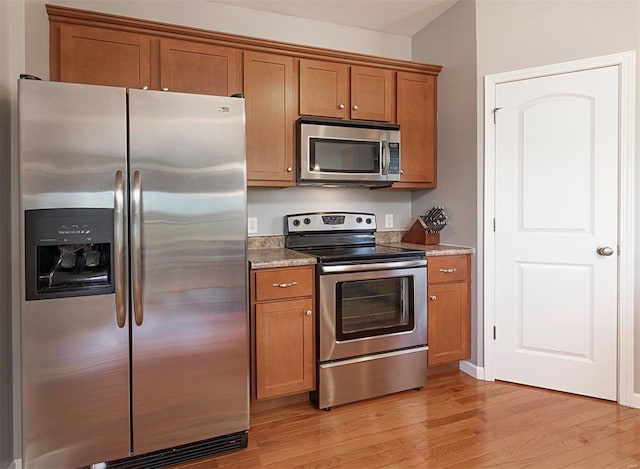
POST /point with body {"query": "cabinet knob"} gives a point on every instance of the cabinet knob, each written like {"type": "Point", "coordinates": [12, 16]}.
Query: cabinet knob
{"type": "Point", "coordinates": [289, 169]}
{"type": "Point", "coordinates": [433, 297]}
{"type": "Point", "coordinates": [402, 171]}
{"type": "Point", "coordinates": [308, 312]}
{"type": "Point", "coordinates": [284, 285]}
{"type": "Point", "coordinates": [165, 88]}
{"type": "Point", "coordinates": [145, 87]}
{"type": "Point", "coordinates": [340, 106]}
{"type": "Point", "coordinates": [355, 107]}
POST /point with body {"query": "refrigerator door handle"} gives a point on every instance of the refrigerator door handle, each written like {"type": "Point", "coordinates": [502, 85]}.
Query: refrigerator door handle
{"type": "Point", "coordinates": [136, 253]}
{"type": "Point", "coordinates": [118, 239]}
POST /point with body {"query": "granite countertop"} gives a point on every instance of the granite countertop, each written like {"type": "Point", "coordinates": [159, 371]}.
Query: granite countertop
{"type": "Point", "coordinates": [277, 257]}
{"type": "Point", "coordinates": [432, 250]}
{"type": "Point", "coordinates": [268, 252]}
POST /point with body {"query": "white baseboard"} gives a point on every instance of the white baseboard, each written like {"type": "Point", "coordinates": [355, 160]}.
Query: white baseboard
{"type": "Point", "coordinates": [471, 369]}
{"type": "Point", "coordinates": [635, 400]}
{"type": "Point", "coordinates": [16, 464]}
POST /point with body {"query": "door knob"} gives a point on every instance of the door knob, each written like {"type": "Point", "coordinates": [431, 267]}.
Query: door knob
{"type": "Point", "coordinates": [604, 250]}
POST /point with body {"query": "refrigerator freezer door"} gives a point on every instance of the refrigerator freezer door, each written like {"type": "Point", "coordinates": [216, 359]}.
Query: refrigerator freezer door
{"type": "Point", "coordinates": [75, 357]}
{"type": "Point", "coordinates": [190, 350]}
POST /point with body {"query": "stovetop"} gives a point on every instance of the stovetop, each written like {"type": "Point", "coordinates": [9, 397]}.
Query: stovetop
{"type": "Point", "coordinates": [342, 254]}
{"type": "Point", "coordinates": [335, 237]}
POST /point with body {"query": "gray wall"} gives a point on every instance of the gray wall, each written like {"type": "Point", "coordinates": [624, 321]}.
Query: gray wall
{"type": "Point", "coordinates": [451, 41]}
{"type": "Point", "coordinates": [6, 450]}
{"type": "Point", "coordinates": [511, 35]}
{"type": "Point", "coordinates": [12, 60]}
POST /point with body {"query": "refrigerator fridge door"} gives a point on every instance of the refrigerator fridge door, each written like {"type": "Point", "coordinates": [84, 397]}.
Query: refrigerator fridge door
{"type": "Point", "coordinates": [75, 348]}
{"type": "Point", "coordinates": [188, 268]}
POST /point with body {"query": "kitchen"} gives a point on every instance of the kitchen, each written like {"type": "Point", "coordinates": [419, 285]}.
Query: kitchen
{"type": "Point", "coordinates": [458, 137]}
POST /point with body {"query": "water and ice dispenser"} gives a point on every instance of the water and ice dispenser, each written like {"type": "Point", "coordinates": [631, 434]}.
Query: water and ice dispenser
{"type": "Point", "coordinates": [68, 252]}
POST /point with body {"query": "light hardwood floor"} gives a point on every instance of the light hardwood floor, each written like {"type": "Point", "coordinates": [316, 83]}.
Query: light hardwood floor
{"type": "Point", "coordinates": [455, 421]}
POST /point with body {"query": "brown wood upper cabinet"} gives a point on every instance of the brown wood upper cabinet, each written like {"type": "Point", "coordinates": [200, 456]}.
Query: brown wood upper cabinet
{"type": "Point", "coordinates": [194, 67]}
{"type": "Point", "coordinates": [97, 56]}
{"type": "Point", "coordinates": [331, 89]}
{"type": "Point", "coordinates": [417, 116]}
{"type": "Point", "coordinates": [280, 81]}
{"type": "Point", "coordinates": [270, 83]}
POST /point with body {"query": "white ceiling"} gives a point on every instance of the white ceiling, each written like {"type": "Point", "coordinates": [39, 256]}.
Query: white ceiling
{"type": "Point", "coordinates": [400, 17]}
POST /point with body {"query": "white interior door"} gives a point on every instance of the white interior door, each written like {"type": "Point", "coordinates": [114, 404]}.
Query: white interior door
{"type": "Point", "coordinates": [555, 204]}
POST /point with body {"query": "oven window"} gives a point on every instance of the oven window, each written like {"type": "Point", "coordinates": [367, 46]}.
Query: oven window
{"type": "Point", "coordinates": [367, 308]}
{"type": "Point", "coordinates": [344, 156]}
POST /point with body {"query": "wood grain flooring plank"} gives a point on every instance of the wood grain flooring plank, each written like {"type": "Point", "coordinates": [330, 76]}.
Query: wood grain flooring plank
{"type": "Point", "coordinates": [454, 421]}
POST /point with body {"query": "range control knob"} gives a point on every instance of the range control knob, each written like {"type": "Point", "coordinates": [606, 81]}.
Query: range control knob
{"type": "Point", "coordinates": [359, 220]}
{"type": "Point", "coordinates": [307, 221]}
{"type": "Point", "coordinates": [369, 221]}
{"type": "Point", "coordinates": [296, 222]}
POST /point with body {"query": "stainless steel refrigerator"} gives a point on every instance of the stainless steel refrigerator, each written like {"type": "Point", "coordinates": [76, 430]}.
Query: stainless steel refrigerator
{"type": "Point", "coordinates": [134, 326]}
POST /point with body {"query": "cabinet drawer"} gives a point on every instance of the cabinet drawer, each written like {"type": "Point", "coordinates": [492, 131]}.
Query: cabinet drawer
{"type": "Point", "coordinates": [277, 284]}
{"type": "Point", "coordinates": [447, 269]}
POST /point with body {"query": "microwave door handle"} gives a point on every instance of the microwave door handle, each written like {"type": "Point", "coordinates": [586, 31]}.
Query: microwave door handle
{"type": "Point", "coordinates": [386, 157]}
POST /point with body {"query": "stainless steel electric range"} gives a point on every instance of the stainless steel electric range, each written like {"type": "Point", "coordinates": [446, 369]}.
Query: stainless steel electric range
{"type": "Point", "coordinates": [372, 307]}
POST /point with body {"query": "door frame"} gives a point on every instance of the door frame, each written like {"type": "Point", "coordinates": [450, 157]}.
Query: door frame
{"type": "Point", "coordinates": [626, 193]}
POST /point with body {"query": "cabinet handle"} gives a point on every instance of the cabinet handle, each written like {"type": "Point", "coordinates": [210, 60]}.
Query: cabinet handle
{"type": "Point", "coordinates": [448, 271]}
{"type": "Point", "coordinates": [433, 297]}
{"type": "Point", "coordinates": [355, 107]}
{"type": "Point", "coordinates": [289, 169]}
{"type": "Point", "coordinates": [308, 312]}
{"type": "Point", "coordinates": [284, 285]}
{"type": "Point", "coordinates": [340, 106]}
{"type": "Point", "coordinates": [165, 88]}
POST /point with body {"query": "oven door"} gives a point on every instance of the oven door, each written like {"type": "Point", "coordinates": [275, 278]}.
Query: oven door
{"type": "Point", "coordinates": [371, 308]}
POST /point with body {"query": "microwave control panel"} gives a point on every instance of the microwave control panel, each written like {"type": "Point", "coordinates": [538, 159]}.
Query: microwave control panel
{"type": "Point", "coordinates": [394, 158]}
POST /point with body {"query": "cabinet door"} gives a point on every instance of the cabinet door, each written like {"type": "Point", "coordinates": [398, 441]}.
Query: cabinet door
{"type": "Point", "coordinates": [284, 348]}
{"type": "Point", "coordinates": [417, 118]}
{"type": "Point", "coordinates": [270, 91]}
{"type": "Point", "coordinates": [193, 67]}
{"type": "Point", "coordinates": [98, 56]}
{"type": "Point", "coordinates": [448, 322]}
{"type": "Point", "coordinates": [324, 89]}
{"type": "Point", "coordinates": [373, 94]}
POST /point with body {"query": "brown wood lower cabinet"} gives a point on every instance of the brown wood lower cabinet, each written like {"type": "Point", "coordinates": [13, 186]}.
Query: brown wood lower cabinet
{"type": "Point", "coordinates": [283, 331]}
{"type": "Point", "coordinates": [449, 309]}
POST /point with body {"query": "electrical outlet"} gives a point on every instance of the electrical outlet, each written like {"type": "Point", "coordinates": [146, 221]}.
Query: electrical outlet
{"type": "Point", "coordinates": [252, 225]}
{"type": "Point", "coordinates": [388, 220]}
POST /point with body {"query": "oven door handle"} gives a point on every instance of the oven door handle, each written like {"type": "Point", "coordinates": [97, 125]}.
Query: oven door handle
{"type": "Point", "coordinates": [331, 269]}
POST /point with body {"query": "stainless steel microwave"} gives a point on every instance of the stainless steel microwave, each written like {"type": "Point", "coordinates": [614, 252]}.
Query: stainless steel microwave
{"type": "Point", "coordinates": [347, 153]}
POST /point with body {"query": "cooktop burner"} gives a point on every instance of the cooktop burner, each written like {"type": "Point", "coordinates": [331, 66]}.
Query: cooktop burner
{"type": "Point", "coordinates": [340, 237]}
{"type": "Point", "coordinates": [360, 253]}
